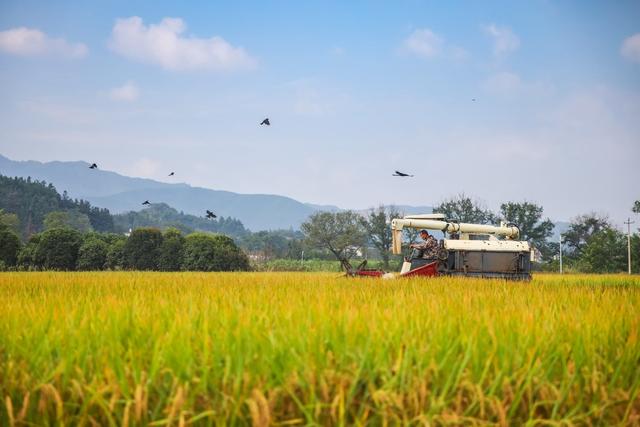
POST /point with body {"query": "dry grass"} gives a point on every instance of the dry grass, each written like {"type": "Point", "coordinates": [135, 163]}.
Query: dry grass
{"type": "Point", "coordinates": [311, 348]}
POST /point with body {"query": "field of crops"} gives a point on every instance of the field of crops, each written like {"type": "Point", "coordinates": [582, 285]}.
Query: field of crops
{"type": "Point", "coordinates": [303, 348]}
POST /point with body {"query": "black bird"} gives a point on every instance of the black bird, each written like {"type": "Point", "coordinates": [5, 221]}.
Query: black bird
{"type": "Point", "coordinates": [171, 174]}
{"type": "Point", "coordinates": [265, 122]}
{"type": "Point", "coordinates": [146, 202]}
{"type": "Point", "coordinates": [398, 173]}
{"type": "Point", "coordinates": [93, 166]}
{"type": "Point", "coordinates": [473, 99]}
{"type": "Point", "coordinates": [211, 214]}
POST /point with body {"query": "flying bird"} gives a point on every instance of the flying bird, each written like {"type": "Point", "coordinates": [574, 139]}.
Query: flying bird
{"type": "Point", "coordinates": [93, 166]}
{"type": "Point", "coordinates": [171, 174]}
{"type": "Point", "coordinates": [146, 202]}
{"type": "Point", "coordinates": [398, 173]}
{"type": "Point", "coordinates": [265, 122]}
{"type": "Point", "coordinates": [211, 214]}
{"type": "Point", "coordinates": [473, 99]}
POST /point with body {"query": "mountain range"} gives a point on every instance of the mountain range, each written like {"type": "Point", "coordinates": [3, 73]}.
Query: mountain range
{"type": "Point", "coordinates": [120, 193]}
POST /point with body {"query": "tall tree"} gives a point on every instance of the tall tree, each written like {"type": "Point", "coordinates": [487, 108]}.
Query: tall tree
{"type": "Point", "coordinates": [463, 208]}
{"type": "Point", "coordinates": [378, 227]}
{"type": "Point", "coordinates": [9, 247]}
{"type": "Point", "coordinates": [605, 252]}
{"type": "Point", "coordinates": [142, 249]}
{"type": "Point", "coordinates": [528, 217]}
{"type": "Point", "coordinates": [341, 233]}
{"type": "Point", "coordinates": [171, 250]}
{"type": "Point", "coordinates": [581, 229]}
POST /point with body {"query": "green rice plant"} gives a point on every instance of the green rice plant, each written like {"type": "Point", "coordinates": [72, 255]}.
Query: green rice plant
{"type": "Point", "coordinates": [145, 348]}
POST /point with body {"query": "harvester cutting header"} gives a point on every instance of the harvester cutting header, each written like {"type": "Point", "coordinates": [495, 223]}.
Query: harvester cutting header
{"type": "Point", "coordinates": [476, 250]}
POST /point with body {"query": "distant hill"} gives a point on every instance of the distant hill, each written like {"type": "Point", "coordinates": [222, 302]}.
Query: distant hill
{"type": "Point", "coordinates": [120, 193]}
{"type": "Point", "coordinates": [161, 215]}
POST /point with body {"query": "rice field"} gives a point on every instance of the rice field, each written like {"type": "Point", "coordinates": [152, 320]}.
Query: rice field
{"type": "Point", "coordinates": [132, 348]}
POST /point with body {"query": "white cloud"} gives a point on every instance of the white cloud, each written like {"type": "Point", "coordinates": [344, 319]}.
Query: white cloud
{"type": "Point", "coordinates": [165, 44]}
{"type": "Point", "coordinates": [423, 42]}
{"type": "Point", "coordinates": [631, 48]}
{"type": "Point", "coordinates": [504, 40]}
{"type": "Point", "coordinates": [128, 92]}
{"type": "Point", "coordinates": [32, 42]}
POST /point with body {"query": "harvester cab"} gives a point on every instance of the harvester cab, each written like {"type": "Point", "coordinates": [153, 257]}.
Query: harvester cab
{"type": "Point", "coordinates": [476, 250]}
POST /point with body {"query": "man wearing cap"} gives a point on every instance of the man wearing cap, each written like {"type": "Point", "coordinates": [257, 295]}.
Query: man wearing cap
{"type": "Point", "coordinates": [427, 249]}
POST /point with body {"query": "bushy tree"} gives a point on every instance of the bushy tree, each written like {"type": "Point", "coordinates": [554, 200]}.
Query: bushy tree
{"type": "Point", "coordinates": [28, 257]}
{"type": "Point", "coordinates": [528, 217]}
{"type": "Point", "coordinates": [341, 233]}
{"type": "Point", "coordinates": [463, 208]}
{"type": "Point", "coordinates": [9, 247]}
{"type": "Point", "coordinates": [142, 249]}
{"type": "Point", "coordinates": [58, 249]}
{"type": "Point", "coordinates": [605, 252]}
{"type": "Point", "coordinates": [115, 255]}
{"type": "Point", "coordinates": [580, 231]}
{"type": "Point", "coordinates": [207, 252]}
{"type": "Point", "coordinates": [92, 254]}
{"type": "Point", "coordinates": [9, 221]}
{"type": "Point", "coordinates": [378, 227]}
{"type": "Point", "coordinates": [171, 250]}
{"type": "Point", "coordinates": [67, 219]}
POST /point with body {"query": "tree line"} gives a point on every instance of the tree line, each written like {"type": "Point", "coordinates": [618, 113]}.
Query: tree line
{"type": "Point", "coordinates": [591, 243]}
{"type": "Point", "coordinates": [65, 249]}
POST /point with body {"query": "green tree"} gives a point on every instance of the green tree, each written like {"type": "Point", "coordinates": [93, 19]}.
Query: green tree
{"type": "Point", "coordinates": [92, 254]}
{"type": "Point", "coordinates": [341, 233]}
{"type": "Point", "coordinates": [115, 255]}
{"type": "Point", "coordinates": [462, 208]}
{"type": "Point", "coordinates": [58, 249]}
{"type": "Point", "coordinates": [581, 229]}
{"type": "Point", "coordinates": [67, 219]}
{"type": "Point", "coordinates": [378, 228]}
{"type": "Point", "coordinates": [528, 217]}
{"type": "Point", "coordinates": [142, 249]}
{"type": "Point", "coordinates": [9, 247]}
{"type": "Point", "coordinates": [171, 250]}
{"type": "Point", "coordinates": [207, 252]}
{"type": "Point", "coordinates": [28, 258]}
{"type": "Point", "coordinates": [9, 221]}
{"type": "Point", "coordinates": [605, 252]}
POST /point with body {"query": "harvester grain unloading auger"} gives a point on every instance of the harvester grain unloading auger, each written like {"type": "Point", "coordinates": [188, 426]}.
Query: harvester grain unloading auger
{"type": "Point", "coordinates": [467, 250]}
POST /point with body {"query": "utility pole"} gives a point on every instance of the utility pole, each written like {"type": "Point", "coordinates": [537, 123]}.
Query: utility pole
{"type": "Point", "coordinates": [560, 253]}
{"type": "Point", "coordinates": [629, 222]}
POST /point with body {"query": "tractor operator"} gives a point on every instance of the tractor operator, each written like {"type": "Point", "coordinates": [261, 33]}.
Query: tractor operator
{"type": "Point", "coordinates": [428, 249]}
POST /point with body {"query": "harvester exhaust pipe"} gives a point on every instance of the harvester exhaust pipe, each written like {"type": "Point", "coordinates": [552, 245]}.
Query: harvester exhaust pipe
{"type": "Point", "coordinates": [420, 221]}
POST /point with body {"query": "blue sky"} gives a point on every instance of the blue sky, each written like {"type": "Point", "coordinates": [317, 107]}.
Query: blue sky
{"type": "Point", "coordinates": [354, 91]}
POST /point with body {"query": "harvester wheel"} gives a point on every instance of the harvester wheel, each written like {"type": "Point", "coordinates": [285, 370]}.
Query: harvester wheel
{"type": "Point", "coordinates": [443, 254]}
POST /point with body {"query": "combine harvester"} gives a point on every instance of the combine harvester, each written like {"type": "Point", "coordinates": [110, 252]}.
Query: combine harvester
{"type": "Point", "coordinates": [471, 250]}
